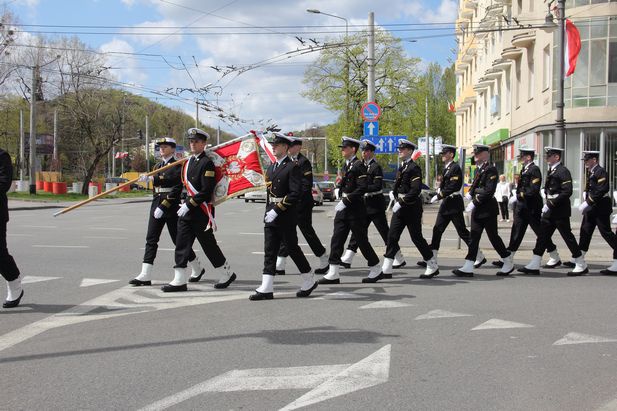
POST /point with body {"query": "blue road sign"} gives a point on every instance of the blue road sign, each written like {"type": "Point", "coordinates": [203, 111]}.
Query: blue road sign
{"type": "Point", "coordinates": [371, 111]}
{"type": "Point", "coordinates": [386, 144]}
{"type": "Point", "coordinates": [371, 128]}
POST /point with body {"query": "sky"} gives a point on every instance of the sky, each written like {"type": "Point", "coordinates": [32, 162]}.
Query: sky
{"type": "Point", "coordinates": [174, 44]}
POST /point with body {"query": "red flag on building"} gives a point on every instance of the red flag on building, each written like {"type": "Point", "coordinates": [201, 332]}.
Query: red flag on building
{"type": "Point", "coordinates": [451, 107]}
{"type": "Point", "coordinates": [572, 47]}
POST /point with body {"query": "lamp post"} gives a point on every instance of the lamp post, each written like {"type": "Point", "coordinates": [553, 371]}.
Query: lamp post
{"type": "Point", "coordinates": [549, 25]}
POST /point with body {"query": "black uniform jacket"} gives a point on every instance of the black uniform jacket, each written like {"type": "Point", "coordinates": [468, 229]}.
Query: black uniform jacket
{"type": "Point", "coordinates": [352, 187]}
{"type": "Point", "coordinates": [168, 179]}
{"type": "Point", "coordinates": [558, 190]}
{"type": "Point", "coordinates": [284, 183]}
{"type": "Point", "coordinates": [528, 190]}
{"type": "Point", "coordinates": [374, 201]}
{"type": "Point", "coordinates": [201, 176]}
{"type": "Point", "coordinates": [483, 192]}
{"type": "Point", "coordinates": [597, 190]}
{"type": "Point", "coordinates": [451, 183]}
{"type": "Point", "coordinates": [306, 169]}
{"type": "Point", "coordinates": [6, 179]}
{"type": "Point", "coordinates": [409, 183]}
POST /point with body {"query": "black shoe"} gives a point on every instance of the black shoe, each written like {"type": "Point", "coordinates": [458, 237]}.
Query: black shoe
{"type": "Point", "coordinates": [344, 265]}
{"type": "Point", "coordinates": [460, 273]}
{"type": "Point", "coordinates": [480, 264]}
{"type": "Point", "coordinates": [421, 264]}
{"type": "Point", "coordinates": [503, 273]}
{"type": "Point", "coordinates": [429, 276]}
{"type": "Point", "coordinates": [608, 272]}
{"type": "Point", "coordinates": [401, 265]}
{"type": "Point", "coordinates": [168, 288]}
{"type": "Point", "coordinates": [326, 281]}
{"type": "Point", "coordinates": [220, 286]}
{"type": "Point", "coordinates": [557, 264]}
{"type": "Point", "coordinates": [372, 280]}
{"type": "Point", "coordinates": [13, 303]}
{"type": "Point", "coordinates": [569, 264]}
{"type": "Point", "coordinates": [498, 263]}
{"type": "Point", "coordinates": [261, 296]}
{"type": "Point", "coordinates": [306, 293]}
{"type": "Point", "coordinates": [528, 271]}
{"type": "Point", "coordinates": [387, 276]}
{"type": "Point", "coordinates": [196, 279]}
{"type": "Point", "coordinates": [322, 270]}
{"type": "Point", "coordinates": [573, 274]}
{"type": "Point", "coordinates": [138, 283]}
{"type": "Point", "coordinates": [279, 272]}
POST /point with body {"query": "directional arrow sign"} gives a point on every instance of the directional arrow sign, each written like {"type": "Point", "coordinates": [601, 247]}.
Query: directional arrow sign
{"type": "Point", "coordinates": [371, 128]}
{"type": "Point", "coordinates": [325, 381]}
{"type": "Point", "coordinates": [385, 144]}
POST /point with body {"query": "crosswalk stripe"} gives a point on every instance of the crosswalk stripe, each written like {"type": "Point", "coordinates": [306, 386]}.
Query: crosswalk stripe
{"type": "Point", "coordinates": [30, 279]}
{"type": "Point", "coordinates": [440, 314]}
{"type": "Point", "coordinates": [88, 282]}
{"type": "Point", "coordinates": [494, 324]}
{"type": "Point", "coordinates": [578, 338]}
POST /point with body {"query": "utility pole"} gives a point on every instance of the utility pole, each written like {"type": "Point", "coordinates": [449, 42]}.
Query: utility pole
{"type": "Point", "coordinates": [122, 135]}
{"type": "Point", "coordinates": [32, 181]}
{"type": "Point", "coordinates": [196, 113]}
{"type": "Point", "coordinates": [371, 57]}
{"type": "Point", "coordinates": [147, 145]}
{"type": "Point", "coordinates": [427, 160]}
{"type": "Point", "coordinates": [560, 122]}
{"type": "Point", "coordinates": [22, 148]}
{"type": "Point", "coordinates": [55, 154]}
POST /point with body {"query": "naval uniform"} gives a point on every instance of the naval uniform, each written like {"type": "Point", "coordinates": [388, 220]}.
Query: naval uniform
{"type": "Point", "coordinates": [352, 218]}
{"type": "Point", "coordinates": [198, 176]}
{"type": "Point", "coordinates": [407, 189]}
{"type": "Point", "coordinates": [167, 191]}
{"type": "Point", "coordinates": [284, 181]}
{"type": "Point", "coordinates": [8, 268]}
{"type": "Point", "coordinates": [305, 209]}
{"type": "Point", "coordinates": [599, 211]}
{"type": "Point", "coordinates": [484, 215]}
{"type": "Point", "coordinates": [558, 190]}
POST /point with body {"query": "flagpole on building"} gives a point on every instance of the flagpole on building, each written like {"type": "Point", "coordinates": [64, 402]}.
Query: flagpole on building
{"type": "Point", "coordinates": [560, 122]}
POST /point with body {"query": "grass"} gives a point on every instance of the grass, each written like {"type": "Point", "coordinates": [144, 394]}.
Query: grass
{"type": "Point", "coordinates": [44, 196]}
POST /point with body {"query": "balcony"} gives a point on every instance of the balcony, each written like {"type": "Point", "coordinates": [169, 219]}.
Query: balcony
{"type": "Point", "coordinates": [494, 9]}
{"type": "Point", "coordinates": [511, 53]}
{"type": "Point", "coordinates": [485, 81]}
{"type": "Point", "coordinates": [470, 4]}
{"type": "Point", "coordinates": [478, 88]}
{"type": "Point", "coordinates": [493, 73]}
{"type": "Point", "coordinates": [501, 64]}
{"type": "Point", "coordinates": [524, 39]}
{"type": "Point", "coordinates": [467, 13]}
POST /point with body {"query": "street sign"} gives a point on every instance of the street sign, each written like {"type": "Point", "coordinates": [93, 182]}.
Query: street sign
{"type": "Point", "coordinates": [370, 111]}
{"type": "Point", "coordinates": [434, 145]}
{"type": "Point", "coordinates": [386, 144]}
{"type": "Point", "coordinates": [371, 128]}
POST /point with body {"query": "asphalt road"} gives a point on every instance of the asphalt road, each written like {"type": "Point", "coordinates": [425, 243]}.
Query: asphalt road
{"type": "Point", "coordinates": [83, 339]}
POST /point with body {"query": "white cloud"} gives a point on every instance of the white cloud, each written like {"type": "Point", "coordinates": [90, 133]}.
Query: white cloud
{"type": "Point", "coordinates": [150, 33]}
{"type": "Point", "coordinates": [446, 12]}
{"type": "Point", "coordinates": [123, 67]}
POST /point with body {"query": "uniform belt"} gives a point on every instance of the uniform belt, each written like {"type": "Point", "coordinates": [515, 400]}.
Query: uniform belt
{"type": "Point", "coordinates": [162, 189]}
{"type": "Point", "coordinates": [374, 193]}
{"type": "Point", "coordinates": [402, 195]}
{"type": "Point", "coordinates": [276, 199]}
{"type": "Point", "coordinates": [552, 196]}
{"type": "Point", "coordinates": [344, 195]}
{"type": "Point", "coordinates": [454, 194]}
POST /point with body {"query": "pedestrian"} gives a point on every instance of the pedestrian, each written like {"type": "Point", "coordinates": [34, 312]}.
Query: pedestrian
{"type": "Point", "coordinates": [304, 208]}
{"type": "Point", "coordinates": [407, 211]}
{"type": "Point", "coordinates": [167, 189]}
{"type": "Point", "coordinates": [284, 189]}
{"type": "Point", "coordinates": [527, 208]}
{"type": "Point", "coordinates": [375, 204]}
{"type": "Point", "coordinates": [502, 195]}
{"type": "Point", "coordinates": [196, 216]}
{"type": "Point", "coordinates": [8, 268]}
{"type": "Point", "coordinates": [351, 216]}
{"type": "Point", "coordinates": [556, 215]}
{"type": "Point", "coordinates": [483, 209]}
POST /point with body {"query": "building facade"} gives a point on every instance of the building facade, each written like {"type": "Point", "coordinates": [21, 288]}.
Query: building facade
{"type": "Point", "coordinates": [507, 84]}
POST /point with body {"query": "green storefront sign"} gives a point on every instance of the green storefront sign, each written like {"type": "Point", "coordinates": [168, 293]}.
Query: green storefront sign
{"type": "Point", "coordinates": [497, 136]}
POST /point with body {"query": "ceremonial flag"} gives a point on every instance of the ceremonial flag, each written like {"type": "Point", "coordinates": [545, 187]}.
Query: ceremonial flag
{"type": "Point", "coordinates": [451, 107]}
{"type": "Point", "coordinates": [267, 148]}
{"type": "Point", "coordinates": [572, 47]}
{"type": "Point", "coordinates": [122, 154]}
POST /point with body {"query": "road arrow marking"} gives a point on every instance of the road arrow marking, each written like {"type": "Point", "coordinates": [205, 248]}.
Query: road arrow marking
{"type": "Point", "coordinates": [577, 338]}
{"type": "Point", "coordinates": [88, 282]}
{"type": "Point", "coordinates": [390, 143]}
{"type": "Point", "coordinates": [385, 304]}
{"type": "Point", "coordinates": [440, 314]}
{"type": "Point", "coordinates": [371, 129]}
{"type": "Point", "coordinates": [326, 381]}
{"type": "Point", "coordinates": [495, 323]}
{"type": "Point", "coordinates": [30, 279]}
{"type": "Point", "coordinates": [339, 295]}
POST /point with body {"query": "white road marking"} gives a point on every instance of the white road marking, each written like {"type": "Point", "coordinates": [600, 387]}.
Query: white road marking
{"type": "Point", "coordinates": [385, 304]}
{"type": "Point", "coordinates": [495, 324]}
{"type": "Point", "coordinates": [30, 279]}
{"type": "Point", "coordinates": [441, 314]}
{"type": "Point", "coordinates": [611, 406]}
{"type": "Point", "coordinates": [96, 237]}
{"type": "Point", "coordinates": [339, 295]}
{"type": "Point", "coordinates": [577, 338]}
{"type": "Point", "coordinates": [258, 252]}
{"type": "Point", "coordinates": [161, 249]}
{"type": "Point", "coordinates": [327, 381]}
{"type": "Point", "coordinates": [58, 246]}
{"type": "Point", "coordinates": [88, 282]}
{"type": "Point", "coordinates": [108, 228]}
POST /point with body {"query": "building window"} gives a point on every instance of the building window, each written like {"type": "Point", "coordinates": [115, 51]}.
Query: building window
{"type": "Point", "coordinates": [517, 84]}
{"type": "Point", "coordinates": [531, 82]}
{"type": "Point", "coordinates": [612, 62]}
{"type": "Point", "coordinates": [519, 6]}
{"type": "Point", "coordinates": [507, 86]}
{"type": "Point", "coordinates": [546, 68]}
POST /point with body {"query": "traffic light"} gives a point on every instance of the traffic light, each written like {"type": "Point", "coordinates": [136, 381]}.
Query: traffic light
{"type": "Point", "coordinates": [140, 134]}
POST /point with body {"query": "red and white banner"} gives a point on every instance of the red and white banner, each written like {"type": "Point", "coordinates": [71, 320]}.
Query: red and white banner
{"type": "Point", "coordinates": [122, 154]}
{"type": "Point", "coordinates": [451, 107]}
{"type": "Point", "coordinates": [267, 148]}
{"type": "Point", "coordinates": [572, 47]}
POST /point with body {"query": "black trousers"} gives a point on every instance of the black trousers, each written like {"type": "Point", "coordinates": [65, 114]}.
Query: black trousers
{"type": "Point", "coordinates": [523, 218]}
{"type": "Point", "coordinates": [188, 230]}
{"type": "Point", "coordinates": [503, 207]}
{"type": "Point", "coordinates": [276, 234]}
{"type": "Point", "coordinates": [602, 221]}
{"type": "Point", "coordinates": [8, 268]}
{"type": "Point", "coordinates": [478, 225]}
{"type": "Point", "coordinates": [548, 227]}
{"type": "Point", "coordinates": [410, 217]}
{"type": "Point", "coordinates": [305, 224]}
{"type": "Point", "coordinates": [155, 228]}
{"type": "Point", "coordinates": [380, 222]}
{"type": "Point", "coordinates": [357, 226]}
{"type": "Point", "coordinates": [441, 223]}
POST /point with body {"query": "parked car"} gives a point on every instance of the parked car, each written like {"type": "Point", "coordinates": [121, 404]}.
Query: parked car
{"type": "Point", "coordinates": [258, 195]}
{"type": "Point", "coordinates": [327, 188]}
{"type": "Point", "coordinates": [121, 180]}
{"type": "Point", "coordinates": [317, 195]}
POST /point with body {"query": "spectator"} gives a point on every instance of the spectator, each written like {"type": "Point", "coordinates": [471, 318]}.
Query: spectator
{"type": "Point", "coordinates": [502, 194]}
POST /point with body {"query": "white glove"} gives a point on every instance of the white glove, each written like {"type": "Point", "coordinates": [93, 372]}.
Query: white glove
{"type": "Point", "coordinates": [583, 206]}
{"type": "Point", "coordinates": [336, 190]}
{"type": "Point", "coordinates": [397, 206]}
{"type": "Point", "coordinates": [470, 207]}
{"type": "Point", "coordinates": [158, 213]}
{"type": "Point", "coordinates": [615, 195]}
{"type": "Point", "coordinates": [434, 199]}
{"type": "Point", "coordinates": [391, 195]}
{"type": "Point", "coordinates": [545, 209]}
{"type": "Point", "coordinates": [468, 197]}
{"type": "Point", "coordinates": [145, 178]}
{"type": "Point", "coordinates": [183, 210]}
{"type": "Point", "coordinates": [542, 194]}
{"type": "Point", "coordinates": [438, 190]}
{"type": "Point", "coordinates": [270, 216]}
{"type": "Point", "coordinates": [512, 200]}
{"type": "Point", "coordinates": [340, 206]}
{"type": "Point", "coordinates": [614, 219]}
{"type": "Point", "coordinates": [584, 194]}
